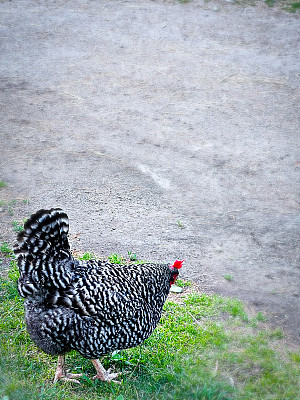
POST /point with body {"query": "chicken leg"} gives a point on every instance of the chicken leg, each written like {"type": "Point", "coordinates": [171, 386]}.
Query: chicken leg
{"type": "Point", "coordinates": [62, 374]}
{"type": "Point", "coordinates": [104, 375]}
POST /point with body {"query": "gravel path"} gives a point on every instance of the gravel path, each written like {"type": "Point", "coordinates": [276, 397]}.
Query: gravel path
{"type": "Point", "coordinates": [167, 129]}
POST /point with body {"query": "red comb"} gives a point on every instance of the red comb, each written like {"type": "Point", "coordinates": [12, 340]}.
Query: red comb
{"type": "Point", "coordinates": [177, 264]}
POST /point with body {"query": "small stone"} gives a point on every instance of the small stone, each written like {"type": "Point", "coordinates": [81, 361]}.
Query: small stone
{"type": "Point", "coordinates": [175, 289]}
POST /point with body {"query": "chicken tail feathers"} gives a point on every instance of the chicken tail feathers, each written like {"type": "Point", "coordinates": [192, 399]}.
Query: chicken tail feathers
{"type": "Point", "coordinates": [40, 248]}
{"type": "Point", "coordinates": [44, 232]}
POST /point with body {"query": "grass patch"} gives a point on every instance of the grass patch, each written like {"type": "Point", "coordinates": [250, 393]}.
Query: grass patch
{"type": "Point", "coordinates": [270, 3]}
{"type": "Point", "coordinates": [18, 226]}
{"type": "Point", "coordinates": [261, 317]}
{"type": "Point", "coordinates": [116, 259]}
{"type": "Point", "coordinates": [8, 206]}
{"type": "Point", "coordinates": [180, 224]}
{"type": "Point", "coordinates": [132, 256]}
{"type": "Point", "coordinates": [3, 184]}
{"type": "Point", "coordinates": [6, 250]}
{"type": "Point", "coordinates": [87, 256]}
{"type": "Point", "coordinates": [295, 6]}
{"type": "Point", "coordinates": [119, 259]}
{"type": "Point", "coordinates": [204, 348]}
{"type": "Point", "coordinates": [286, 5]}
{"type": "Point", "coordinates": [228, 277]}
{"type": "Point", "coordinates": [292, 7]}
{"type": "Point", "coordinates": [183, 283]}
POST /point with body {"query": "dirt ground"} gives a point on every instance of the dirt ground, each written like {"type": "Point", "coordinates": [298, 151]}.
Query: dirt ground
{"type": "Point", "coordinates": [166, 129]}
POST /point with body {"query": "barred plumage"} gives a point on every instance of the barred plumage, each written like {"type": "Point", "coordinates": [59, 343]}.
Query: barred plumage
{"type": "Point", "coordinates": [93, 306]}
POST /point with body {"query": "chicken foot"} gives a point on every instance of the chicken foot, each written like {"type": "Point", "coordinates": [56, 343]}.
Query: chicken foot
{"type": "Point", "coordinates": [62, 374]}
{"type": "Point", "coordinates": [104, 375]}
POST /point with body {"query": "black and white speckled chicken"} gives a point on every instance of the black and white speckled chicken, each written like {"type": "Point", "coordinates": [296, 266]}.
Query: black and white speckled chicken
{"type": "Point", "coordinates": [94, 307]}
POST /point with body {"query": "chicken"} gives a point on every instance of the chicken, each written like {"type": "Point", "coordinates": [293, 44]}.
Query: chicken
{"type": "Point", "coordinates": [93, 307]}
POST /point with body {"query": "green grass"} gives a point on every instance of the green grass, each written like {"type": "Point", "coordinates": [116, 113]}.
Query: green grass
{"type": "Point", "coordinates": [183, 283]}
{"type": "Point", "coordinates": [8, 205]}
{"type": "Point", "coordinates": [87, 256]}
{"type": "Point", "coordinates": [116, 258]}
{"type": "Point", "coordinates": [205, 347]}
{"type": "Point", "coordinates": [132, 256]}
{"type": "Point", "coordinates": [295, 6]}
{"type": "Point", "coordinates": [286, 5]}
{"type": "Point", "coordinates": [6, 250]}
{"type": "Point", "coordinates": [180, 224]}
{"type": "Point", "coordinates": [228, 277]}
{"type": "Point", "coordinates": [3, 184]}
{"type": "Point", "coordinates": [119, 259]}
{"type": "Point", "coordinates": [270, 3]}
{"type": "Point", "coordinates": [292, 7]}
{"type": "Point", "coordinates": [18, 226]}
{"type": "Point", "coordinates": [261, 317]}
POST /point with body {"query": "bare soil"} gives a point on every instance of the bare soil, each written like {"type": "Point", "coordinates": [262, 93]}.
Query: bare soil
{"type": "Point", "coordinates": [166, 129]}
